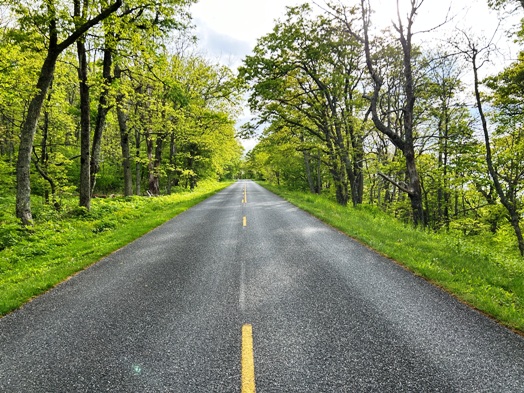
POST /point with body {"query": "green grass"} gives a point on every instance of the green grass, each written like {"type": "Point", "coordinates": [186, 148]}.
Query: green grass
{"type": "Point", "coordinates": [63, 243]}
{"type": "Point", "coordinates": [482, 274]}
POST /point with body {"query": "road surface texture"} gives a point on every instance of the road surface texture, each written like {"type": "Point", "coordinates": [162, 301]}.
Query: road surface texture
{"type": "Point", "coordinates": [166, 314]}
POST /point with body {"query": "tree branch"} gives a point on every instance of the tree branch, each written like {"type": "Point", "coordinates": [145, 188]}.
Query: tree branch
{"type": "Point", "coordinates": [401, 187]}
{"type": "Point", "coordinates": [75, 35]}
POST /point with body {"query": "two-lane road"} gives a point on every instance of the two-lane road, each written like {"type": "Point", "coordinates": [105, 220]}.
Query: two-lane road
{"type": "Point", "coordinates": [170, 312]}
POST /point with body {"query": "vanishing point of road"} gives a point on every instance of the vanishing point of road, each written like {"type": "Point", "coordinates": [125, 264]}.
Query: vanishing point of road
{"type": "Point", "coordinates": [245, 292]}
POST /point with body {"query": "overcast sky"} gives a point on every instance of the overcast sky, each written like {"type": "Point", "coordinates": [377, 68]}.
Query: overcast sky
{"type": "Point", "coordinates": [228, 29]}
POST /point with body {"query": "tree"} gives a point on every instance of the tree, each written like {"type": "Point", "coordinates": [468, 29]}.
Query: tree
{"type": "Point", "coordinates": [52, 19]}
{"type": "Point", "coordinates": [80, 13]}
{"type": "Point", "coordinates": [206, 137]}
{"type": "Point", "coordinates": [306, 75]}
{"type": "Point", "coordinates": [404, 141]}
{"type": "Point", "coordinates": [506, 171]}
{"type": "Point", "coordinates": [136, 34]}
{"type": "Point", "coordinates": [505, 158]}
{"type": "Point", "coordinates": [448, 134]}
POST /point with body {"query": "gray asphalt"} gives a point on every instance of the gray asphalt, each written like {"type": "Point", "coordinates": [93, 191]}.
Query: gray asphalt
{"type": "Point", "coordinates": [165, 313]}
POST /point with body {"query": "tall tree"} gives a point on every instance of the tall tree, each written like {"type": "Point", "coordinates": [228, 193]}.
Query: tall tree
{"type": "Point", "coordinates": [307, 73]}
{"type": "Point", "coordinates": [80, 12]}
{"type": "Point", "coordinates": [506, 166]}
{"type": "Point", "coordinates": [404, 141]}
{"type": "Point", "coordinates": [447, 131]}
{"type": "Point", "coordinates": [507, 182]}
{"type": "Point", "coordinates": [52, 16]}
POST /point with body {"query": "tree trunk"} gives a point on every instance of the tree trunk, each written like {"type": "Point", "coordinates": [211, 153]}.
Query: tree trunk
{"type": "Point", "coordinates": [52, 185]}
{"type": "Point", "coordinates": [23, 166]}
{"type": "Point", "coordinates": [415, 189]}
{"type": "Point", "coordinates": [319, 174]}
{"type": "Point", "coordinates": [44, 156]}
{"type": "Point", "coordinates": [191, 180]}
{"type": "Point", "coordinates": [339, 175]}
{"type": "Point", "coordinates": [357, 186]}
{"type": "Point", "coordinates": [126, 151]}
{"type": "Point", "coordinates": [341, 194]}
{"type": "Point", "coordinates": [406, 142]}
{"type": "Point", "coordinates": [158, 161]}
{"type": "Point", "coordinates": [124, 139]}
{"type": "Point", "coordinates": [507, 200]}
{"type": "Point", "coordinates": [341, 185]}
{"type": "Point", "coordinates": [138, 165]}
{"type": "Point", "coordinates": [172, 162]}
{"type": "Point", "coordinates": [307, 164]}
{"type": "Point", "coordinates": [153, 188]}
{"type": "Point", "coordinates": [103, 109]}
{"type": "Point", "coordinates": [85, 128]}
{"type": "Point", "coordinates": [515, 223]}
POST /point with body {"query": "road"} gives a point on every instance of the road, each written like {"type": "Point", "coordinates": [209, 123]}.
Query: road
{"type": "Point", "coordinates": [246, 285]}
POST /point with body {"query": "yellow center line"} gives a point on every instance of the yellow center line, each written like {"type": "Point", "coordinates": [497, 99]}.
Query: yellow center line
{"type": "Point", "coordinates": [248, 360]}
{"type": "Point", "coordinates": [245, 194]}
{"type": "Point", "coordinates": [244, 221]}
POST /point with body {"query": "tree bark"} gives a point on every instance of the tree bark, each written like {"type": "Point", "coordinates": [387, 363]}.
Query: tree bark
{"type": "Point", "coordinates": [138, 165]}
{"type": "Point", "coordinates": [23, 188]}
{"type": "Point", "coordinates": [124, 139]}
{"type": "Point", "coordinates": [309, 177]}
{"type": "Point", "coordinates": [85, 128]}
{"type": "Point", "coordinates": [319, 173]}
{"type": "Point", "coordinates": [126, 151]}
{"type": "Point", "coordinates": [52, 185]}
{"type": "Point", "coordinates": [341, 184]}
{"type": "Point", "coordinates": [157, 162]}
{"type": "Point", "coordinates": [101, 116]}
{"type": "Point", "coordinates": [172, 162]}
{"type": "Point", "coordinates": [44, 156]}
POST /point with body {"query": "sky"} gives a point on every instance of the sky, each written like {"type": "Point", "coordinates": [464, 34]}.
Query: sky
{"type": "Point", "coordinates": [228, 29]}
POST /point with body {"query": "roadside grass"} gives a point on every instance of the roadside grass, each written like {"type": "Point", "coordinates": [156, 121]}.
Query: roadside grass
{"type": "Point", "coordinates": [60, 244]}
{"type": "Point", "coordinates": [481, 273]}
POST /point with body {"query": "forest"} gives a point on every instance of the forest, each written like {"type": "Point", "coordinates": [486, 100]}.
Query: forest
{"type": "Point", "coordinates": [371, 116]}
{"type": "Point", "coordinates": [101, 98]}
{"type": "Point", "coordinates": [109, 97]}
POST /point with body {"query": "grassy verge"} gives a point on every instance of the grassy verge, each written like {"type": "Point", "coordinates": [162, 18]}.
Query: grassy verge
{"type": "Point", "coordinates": [63, 243]}
{"type": "Point", "coordinates": [482, 274]}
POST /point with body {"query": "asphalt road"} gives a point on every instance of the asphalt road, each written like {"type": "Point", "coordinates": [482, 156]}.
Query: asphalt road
{"type": "Point", "coordinates": [165, 314]}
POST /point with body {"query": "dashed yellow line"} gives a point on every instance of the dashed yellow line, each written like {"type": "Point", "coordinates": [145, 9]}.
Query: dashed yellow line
{"type": "Point", "coordinates": [244, 221]}
{"type": "Point", "coordinates": [248, 360]}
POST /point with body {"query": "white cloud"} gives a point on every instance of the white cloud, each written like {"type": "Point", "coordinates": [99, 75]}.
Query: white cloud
{"type": "Point", "coordinates": [245, 20]}
{"type": "Point", "coordinates": [229, 50]}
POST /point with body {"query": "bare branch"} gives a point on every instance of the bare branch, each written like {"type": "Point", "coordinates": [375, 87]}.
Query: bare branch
{"type": "Point", "coordinates": [400, 186]}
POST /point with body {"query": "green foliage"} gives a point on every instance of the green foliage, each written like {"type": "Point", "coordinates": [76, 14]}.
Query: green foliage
{"type": "Point", "coordinates": [305, 79]}
{"type": "Point", "coordinates": [178, 111]}
{"type": "Point", "coordinates": [512, 4]}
